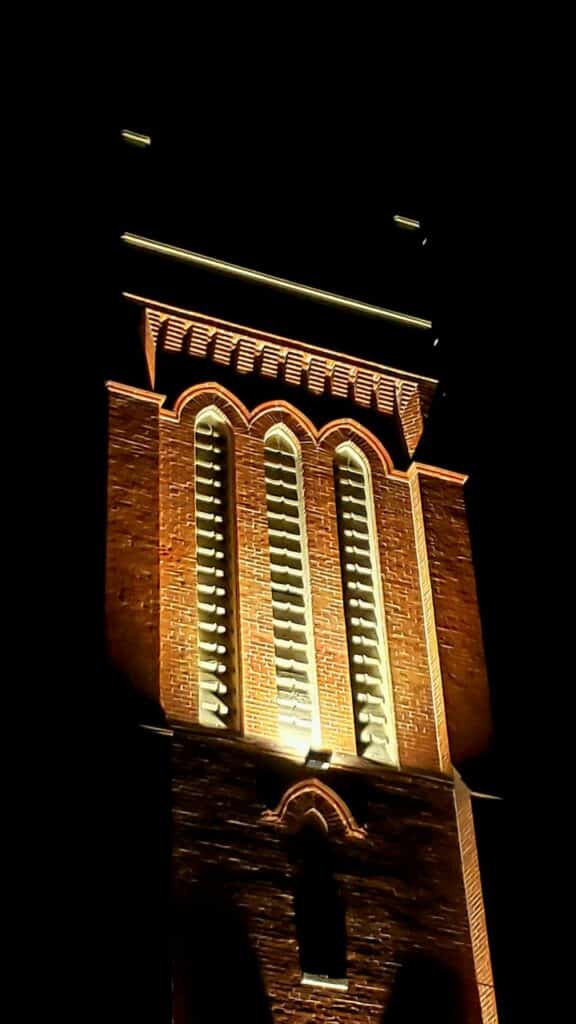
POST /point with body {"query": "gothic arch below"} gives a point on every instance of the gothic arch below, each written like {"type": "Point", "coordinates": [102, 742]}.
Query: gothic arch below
{"type": "Point", "coordinates": [312, 797]}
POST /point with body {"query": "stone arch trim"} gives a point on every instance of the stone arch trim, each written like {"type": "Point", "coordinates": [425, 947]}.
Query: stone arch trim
{"type": "Point", "coordinates": [270, 414]}
{"type": "Point", "coordinates": [200, 396]}
{"type": "Point", "coordinates": [339, 432]}
{"type": "Point", "coordinates": [312, 796]}
{"type": "Point", "coordinates": [266, 415]}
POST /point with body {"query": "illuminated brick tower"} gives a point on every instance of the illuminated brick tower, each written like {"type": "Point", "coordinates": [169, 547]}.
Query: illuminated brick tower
{"type": "Point", "coordinates": [298, 596]}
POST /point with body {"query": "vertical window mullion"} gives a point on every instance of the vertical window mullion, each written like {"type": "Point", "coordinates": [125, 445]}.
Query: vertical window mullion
{"type": "Point", "coordinates": [215, 573]}
{"type": "Point", "coordinates": [369, 671]}
{"type": "Point", "coordinates": [294, 659]}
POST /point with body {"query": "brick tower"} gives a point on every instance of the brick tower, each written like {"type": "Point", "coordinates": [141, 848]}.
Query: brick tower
{"type": "Point", "coordinates": [297, 595]}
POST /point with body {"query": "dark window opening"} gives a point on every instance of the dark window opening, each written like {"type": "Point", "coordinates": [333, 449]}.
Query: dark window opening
{"type": "Point", "coordinates": [318, 905]}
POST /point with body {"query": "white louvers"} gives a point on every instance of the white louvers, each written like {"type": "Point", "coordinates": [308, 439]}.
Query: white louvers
{"type": "Point", "coordinates": [214, 553]}
{"type": "Point", "coordinates": [369, 671]}
{"type": "Point", "coordinates": [295, 675]}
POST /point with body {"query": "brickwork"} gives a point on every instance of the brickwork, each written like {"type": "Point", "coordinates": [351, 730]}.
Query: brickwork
{"type": "Point", "coordinates": [415, 709]}
{"type": "Point", "coordinates": [320, 371]}
{"type": "Point", "coordinates": [132, 609]}
{"type": "Point", "coordinates": [178, 612]}
{"type": "Point", "coordinates": [335, 693]}
{"type": "Point", "coordinates": [401, 878]}
{"type": "Point", "coordinates": [429, 623]}
{"type": "Point", "coordinates": [459, 630]}
{"type": "Point", "coordinates": [400, 519]}
{"type": "Point", "coordinates": [474, 902]}
{"type": "Point", "coordinates": [403, 839]}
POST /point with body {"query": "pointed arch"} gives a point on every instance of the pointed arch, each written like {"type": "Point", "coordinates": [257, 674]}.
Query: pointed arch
{"type": "Point", "coordinates": [283, 435]}
{"type": "Point", "coordinates": [267, 414]}
{"type": "Point", "coordinates": [313, 795]}
{"type": "Point", "coordinates": [339, 432]}
{"type": "Point", "coordinates": [198, 396]}
{"type": "Point", "coordinates": [212, 412]}
{"type": "Point", "coordinates": [315, 818]}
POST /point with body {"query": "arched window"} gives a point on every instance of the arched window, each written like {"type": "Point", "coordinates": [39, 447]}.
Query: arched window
{"type": "Point", "coordinates": [215, 554]}
{"type": "Point", "coordinates": [295, 671]}
{"type": "Point", "coordinates": [369, 668]}
{"type": "Point", "coordinates": [318, 906]}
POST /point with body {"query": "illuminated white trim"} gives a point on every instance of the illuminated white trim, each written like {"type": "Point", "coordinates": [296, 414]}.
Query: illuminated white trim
{"type": "Point", "coordinates": [365, 626]}
{"type": "Point", "coordinates": [406, 222]}
{"type": "Point", "coordinates": [322, 981]}
{"type": "Point", "coordinates": [215, 571]}
{"type": "Point", "coordinates": [291, 593]}
{"type": "Point", "coordinates": [135, 138]}
{"type": "Point", "coordinates": [170, 732]}
{"type": "Point", "coordinates": [275, 282]}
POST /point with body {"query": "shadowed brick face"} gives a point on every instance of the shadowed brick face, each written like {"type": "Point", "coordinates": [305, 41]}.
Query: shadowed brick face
{"type": "Point", "coordinates": [402, 884]}
{"type": "Point", "coordinates": [132, 562]}
{"type": "Point", "coordinates": [177, 563]}
{"type": "Point", "coordinates": [409, 872]}
{"type": "Point", "coordinates": [458, 624]}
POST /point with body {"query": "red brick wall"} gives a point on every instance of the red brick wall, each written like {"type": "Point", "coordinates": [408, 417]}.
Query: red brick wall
{"type": "Point", "coordinates": [402, 883]}
{"type": "Point", "coordinates": [430, 606]}
{"type": "Point", "coordinates": [169, 461]}
{"type": "Point", "coordinates": [427, 602]}
{"type": "Point", "coordinates": [178, 613]}
{"type": "Point", "coordinates": [334, 690]}
{"type": "Point", "coordinates": [132, 572]}
{"type": "Point", "coordinates": [457, 617]}
{"type": "Point", "coordinates": [412, 884]}
{"type": "Point", "coordinates": [408, 655]}
{"type": "Point", "coordinates": [414, 705]}
{"type": "Point", "coordinates": [474, 902]}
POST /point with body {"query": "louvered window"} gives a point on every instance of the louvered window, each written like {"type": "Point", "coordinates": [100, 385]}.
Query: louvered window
{"type": "Point", "coordinates": [369, 670]}
{"type": "Point", "coordinates": [215, 569]}
{"type": "Point", "coordinates": [295, 674]}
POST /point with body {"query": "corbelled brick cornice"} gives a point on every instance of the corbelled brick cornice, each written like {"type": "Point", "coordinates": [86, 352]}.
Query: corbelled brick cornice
{"type": "Point", "coordinates": [320, 371]}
